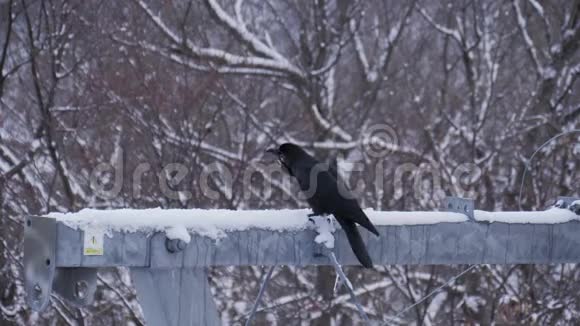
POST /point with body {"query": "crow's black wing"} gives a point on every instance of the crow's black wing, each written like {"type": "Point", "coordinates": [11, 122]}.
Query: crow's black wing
{"type": "Point", "coordinates": [318, 185]}
{"type": "Point", "coordinates": [328, 195]}
{"type": "Point", "coordinates": [349, 209]}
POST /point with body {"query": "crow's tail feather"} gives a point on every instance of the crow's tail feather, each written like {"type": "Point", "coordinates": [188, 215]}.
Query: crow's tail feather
{"type": "Point", "coordinates": [361, 218]}
{"type": "Point", "coordinates": [356, 242]}
{"type": "Point", "coordinates": [369, 226]}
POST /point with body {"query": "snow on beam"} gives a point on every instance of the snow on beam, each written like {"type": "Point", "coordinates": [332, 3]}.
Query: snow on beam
{"type": "Point", "coordinates": [139, 238]}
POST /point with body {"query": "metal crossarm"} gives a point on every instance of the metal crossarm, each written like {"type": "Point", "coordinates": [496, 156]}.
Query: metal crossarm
{"type": "Point", "coordinates": [171, 279]}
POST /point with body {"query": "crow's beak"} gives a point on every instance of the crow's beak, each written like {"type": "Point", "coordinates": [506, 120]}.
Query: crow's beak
{"type": "Point", "coordinates": [274, 151]}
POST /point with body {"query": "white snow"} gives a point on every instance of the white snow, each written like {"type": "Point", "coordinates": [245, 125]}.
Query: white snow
{"type": "Point", "coordinates": [178, 232]}
{"type": "Point", "coordinates": [413, 218]}
{"type": "Point", "coordinates": [538, 7]}
{"type": "Point", "coordinates": [474, 302]}
{"type": "Point", "coordinates": [324, 226]}
{"type": "Point", "coordinates": [550, 216]}
{"type": "Point", "coordinates": [215, 223]}
{"type": "Point", "coordinates": [549, 73]}
{"type": "Point", "coordinates": [212, 223]}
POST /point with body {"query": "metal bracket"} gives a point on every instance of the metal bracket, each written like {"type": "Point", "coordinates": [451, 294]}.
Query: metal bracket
{"type": "Point", "coordinates": [460, 205]}
{"type": "Point", "coordinates": [76, 284]}
{"type": "Point", "coordinates": [570, 203]}
{"type": "Point", "coordinates": [41, 276]}
{"type": "Point", "coordinates": [566, 201]}
{"type": "Point", "coordinates": [39, 260]}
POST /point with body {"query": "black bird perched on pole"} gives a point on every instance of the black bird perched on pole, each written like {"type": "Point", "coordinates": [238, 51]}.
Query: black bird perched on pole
{"type": "Point", "coordinates": [326, 194]}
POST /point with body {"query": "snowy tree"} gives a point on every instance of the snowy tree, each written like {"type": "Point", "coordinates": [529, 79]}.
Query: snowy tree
{"type": "Point", "coordinates": [429, 99]}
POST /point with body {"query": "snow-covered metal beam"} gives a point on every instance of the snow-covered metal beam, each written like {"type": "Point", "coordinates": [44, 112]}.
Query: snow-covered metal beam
{"type": "Point", "coordinates": [159, 245]}
{"type": "Point", "coordinates": [540, 237]}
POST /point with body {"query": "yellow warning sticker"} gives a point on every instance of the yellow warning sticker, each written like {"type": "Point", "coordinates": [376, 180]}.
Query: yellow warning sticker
{"type": "Point", "coordinates": [93, 242]}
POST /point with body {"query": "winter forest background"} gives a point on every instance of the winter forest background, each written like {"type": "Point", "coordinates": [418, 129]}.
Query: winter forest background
{"type": "Point", "coordinates": [463, 93]}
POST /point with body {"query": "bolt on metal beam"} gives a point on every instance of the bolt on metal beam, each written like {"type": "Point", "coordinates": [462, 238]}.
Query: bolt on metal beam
{"type": "Point", "coordinates": [460, 205]}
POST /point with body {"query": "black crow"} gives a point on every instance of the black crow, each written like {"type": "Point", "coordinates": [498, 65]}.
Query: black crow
{"type": "Point", "coordinates": [327, 194]}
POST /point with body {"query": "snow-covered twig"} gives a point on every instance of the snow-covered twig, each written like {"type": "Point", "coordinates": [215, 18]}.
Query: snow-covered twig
{"type": "Point", "coordinates": [453, 33]}
{"type": "Point", "coordinates": [238, 27]}
{"type": "Point", "coordinates": [349, 286]}
{"type": "Point", "coordinates": [530, 46]}
{"type": "Point", "coordinates": [217, 56]}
